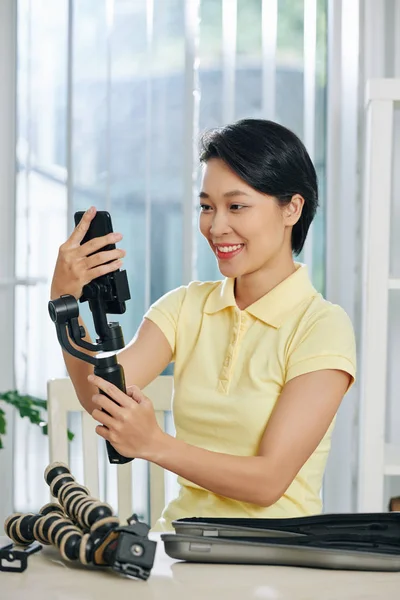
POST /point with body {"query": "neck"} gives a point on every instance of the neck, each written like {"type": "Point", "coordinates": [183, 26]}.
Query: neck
{"type": "Point", "coordinates": [251, 287]}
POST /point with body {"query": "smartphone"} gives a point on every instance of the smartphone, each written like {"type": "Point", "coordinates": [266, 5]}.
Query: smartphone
{"type": "Point", "coordinates": [116, 282]}
{"type": "Point", "coordinates": [101, 225]}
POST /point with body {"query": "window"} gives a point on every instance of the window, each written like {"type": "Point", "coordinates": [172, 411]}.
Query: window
{"type": "Point", "coordinates": [112, 95]}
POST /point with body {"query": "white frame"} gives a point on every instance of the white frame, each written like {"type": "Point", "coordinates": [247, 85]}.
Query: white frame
{"type": "Point", "coordinates": [8, 52]}
{"type": "Point", "coordinates": [376, 458]}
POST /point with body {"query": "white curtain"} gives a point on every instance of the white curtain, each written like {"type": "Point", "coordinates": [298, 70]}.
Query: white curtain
{"type": "Point", "coordinates": [112, 95]}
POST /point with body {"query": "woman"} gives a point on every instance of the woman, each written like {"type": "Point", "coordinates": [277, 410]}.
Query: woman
{"type": "Point", "coordinates": [262, 360]}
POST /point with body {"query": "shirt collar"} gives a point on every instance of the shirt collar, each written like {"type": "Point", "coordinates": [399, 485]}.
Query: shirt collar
{"type": "Point", "coordinates": [275, 305]}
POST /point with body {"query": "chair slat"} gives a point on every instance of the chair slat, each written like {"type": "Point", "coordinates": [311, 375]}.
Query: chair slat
{"type": "Point", "coordinates": [124, 482]}
{"type": "Point", "coordinates": [90, 454]}
{"type": "Point", "coordinates": [57, 422]}
{"type": "Point", "coordinates": [157, 480]}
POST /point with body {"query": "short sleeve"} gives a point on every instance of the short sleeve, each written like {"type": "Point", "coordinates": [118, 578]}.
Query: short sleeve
{"type": "Point", "coordinates": [327, 342]}
{"type": "Point", "coordinates": [165, 313]}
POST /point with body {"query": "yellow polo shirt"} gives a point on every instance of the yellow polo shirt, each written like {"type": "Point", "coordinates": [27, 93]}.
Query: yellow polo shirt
{"type": "Point", "coordinates": [230, 368]}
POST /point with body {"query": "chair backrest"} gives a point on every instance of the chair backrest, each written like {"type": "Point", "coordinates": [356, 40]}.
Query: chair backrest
{"type": "Point", "coordinates": [62, 399]}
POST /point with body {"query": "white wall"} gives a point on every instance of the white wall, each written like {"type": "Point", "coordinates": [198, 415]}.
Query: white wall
{"type": "Point", "coordinates": [392, 69]}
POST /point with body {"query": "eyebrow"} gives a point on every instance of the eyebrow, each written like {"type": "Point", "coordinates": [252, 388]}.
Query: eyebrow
{"type": "Point", "coordinates": [231, 194]}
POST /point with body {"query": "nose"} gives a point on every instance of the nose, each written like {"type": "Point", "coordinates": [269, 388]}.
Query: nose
{"type": "Point", "coordinates": [219, 225]}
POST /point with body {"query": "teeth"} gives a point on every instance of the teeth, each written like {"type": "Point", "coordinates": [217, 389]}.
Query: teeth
{"type": "Point", "coordinates": [229, 248]}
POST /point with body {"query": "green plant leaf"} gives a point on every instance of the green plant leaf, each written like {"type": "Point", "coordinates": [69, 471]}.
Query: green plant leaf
{"type": "Point", "coordinates": [3, 427]}
{"type": "Point", "coordinates": [40, 403]}
{"type": "Point", "coordinates": [27, 406]}
{"type": "Point", "coordinates": [45, 432]}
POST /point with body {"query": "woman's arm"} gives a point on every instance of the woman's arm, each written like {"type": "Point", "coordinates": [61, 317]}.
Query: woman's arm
{"type": "Point", "coordinates": [302, 415]}
{"type": "Point", "coordinates": [150, 351]}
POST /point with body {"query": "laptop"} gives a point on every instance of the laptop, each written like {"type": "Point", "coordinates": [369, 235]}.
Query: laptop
{"type": "Point", "coordinates": [340, 541]}
{"type": "Point", "coordinates": [316, 524]}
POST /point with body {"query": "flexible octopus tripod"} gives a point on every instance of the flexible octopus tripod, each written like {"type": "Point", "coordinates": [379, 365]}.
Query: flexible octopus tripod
{"type": "Point", "coordinates": [82, 528]}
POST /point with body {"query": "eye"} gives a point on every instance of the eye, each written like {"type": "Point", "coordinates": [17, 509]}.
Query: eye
{"type": "Point", "coordinates": [236, 207]}
{"type": "Point", "coordinates": [204, 208]}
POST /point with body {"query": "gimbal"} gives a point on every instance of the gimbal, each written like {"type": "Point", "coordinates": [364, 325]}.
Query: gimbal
{"type": "Point", "coordinates": [105, 294]}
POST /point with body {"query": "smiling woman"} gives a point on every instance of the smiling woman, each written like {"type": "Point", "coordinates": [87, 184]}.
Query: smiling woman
{"type": "Point", "coordinates": [262, 360]}
{"type": "Point", "coordinates": [262, 369]}
{"type": "Point", "coordinates": [259, 196]}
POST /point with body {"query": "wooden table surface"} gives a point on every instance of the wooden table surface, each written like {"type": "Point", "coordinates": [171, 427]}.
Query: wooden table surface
{"type": "Point", "coordinates": [48, 577]}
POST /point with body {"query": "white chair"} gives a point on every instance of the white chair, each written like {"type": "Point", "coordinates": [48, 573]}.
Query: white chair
{"type": "Point", "coordinates": [62, 399]}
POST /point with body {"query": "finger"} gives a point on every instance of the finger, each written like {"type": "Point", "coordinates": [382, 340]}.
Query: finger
{"type": "Point", "coordinates": [80, 230]}
{"type": "Point", "coordinates": [136, 393]}
{"type": "Point", "coordinates": [111, 406]}
{"type": "Point", "coordinates": [102, 417]}
{"type": "Point", "coordinates": [101, 258]}
{"type": "Point", "coordinates": [131, 395]}
{"type": "Point", "coordinates": [98, 243]}
{"type": "Point", "coordinates": [104, 269]}
{"type": "Point", "coordinates": [110, 389]}
{"type": "Point", "coordinates": [103, 432]}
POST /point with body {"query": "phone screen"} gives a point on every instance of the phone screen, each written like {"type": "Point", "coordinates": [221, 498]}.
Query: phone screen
{"type": "Point", "coordinates": [100, 225]}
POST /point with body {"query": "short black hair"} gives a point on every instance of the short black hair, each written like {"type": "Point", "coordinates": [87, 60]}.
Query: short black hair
{"type": "Point", "coordinates": [272, 160]}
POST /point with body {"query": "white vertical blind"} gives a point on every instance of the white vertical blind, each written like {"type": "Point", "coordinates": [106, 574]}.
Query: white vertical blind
{"type": "Point", "coordinates": [69, 122]}
{"type": "Point", "coordinates": [397, 39]}
{"type": "Point", "coordinates": [191, 127]}
{"type": "Point", "coordinates": [109, 38]}
{"type": "Point", "coordinates": [310, 44]}
{"type": "Point", "coordinates": [40, 225]}
{"type": "Point", "coordinates": [269, 33]}
{"type": "Point", "coordinates": [26, 210]}
{"type": "Point", "coordinates": [148, 141]}
{"type": "Point", "coordinates": [229, 32]}
{"type": "Point", "coordinates": [342, 227]}
{"type": "Point", "coordinates": [23, 268]}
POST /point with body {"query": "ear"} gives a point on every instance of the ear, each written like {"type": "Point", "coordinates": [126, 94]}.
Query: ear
{"type": "Point", "coordinates": [292, 211]}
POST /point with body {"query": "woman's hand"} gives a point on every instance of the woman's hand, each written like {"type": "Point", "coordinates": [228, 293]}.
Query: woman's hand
{"type": "Point", "coordinates": [131, 426]}
{"type": "Point", "coordinates": [75, 267]}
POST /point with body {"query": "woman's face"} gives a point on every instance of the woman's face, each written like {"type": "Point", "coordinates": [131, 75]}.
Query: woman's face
{"type": "Point", "coordinates": [246, 229]}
